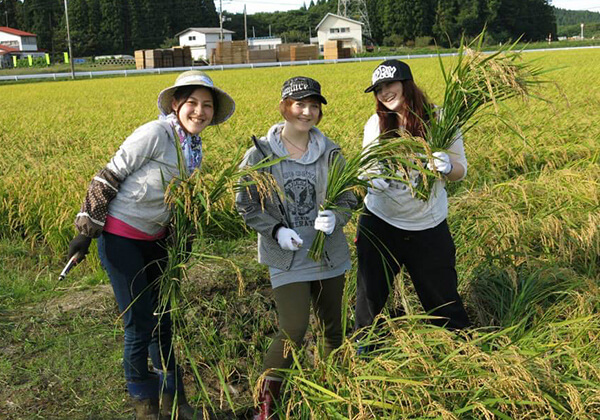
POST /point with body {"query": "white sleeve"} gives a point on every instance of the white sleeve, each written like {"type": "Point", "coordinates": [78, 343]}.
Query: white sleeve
{"type": "Point", "coordinates": [140, 147]}
{"type": "Point", "coordinates": [371, 131]}
{"type": "Point", "coordinates": [370, 138]}
{"type": "Point", "coordinates": [457, 153]}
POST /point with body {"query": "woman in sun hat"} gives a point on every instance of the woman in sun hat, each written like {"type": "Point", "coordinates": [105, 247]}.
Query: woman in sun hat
{"type": "Point", "coordinates": [125, 210]}
{"type": "Point", "coordinates": [398, 229]}
{"type": "Point", "coordinates": [288, 222]}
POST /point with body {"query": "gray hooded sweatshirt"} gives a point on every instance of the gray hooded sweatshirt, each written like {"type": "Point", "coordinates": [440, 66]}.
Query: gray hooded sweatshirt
{"type": "Point", "coordinates": [303, 181]}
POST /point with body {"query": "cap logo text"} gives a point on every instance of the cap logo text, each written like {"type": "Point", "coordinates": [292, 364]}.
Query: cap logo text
{"type": "Point", "coordinates": [298, 87]}
{"type": "Point", "coordinates": [383, 72]}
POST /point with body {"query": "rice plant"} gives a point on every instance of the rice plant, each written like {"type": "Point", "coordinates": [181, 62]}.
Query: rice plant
{"type": "Point", "coordinates": [394, 156]}
{"type": "Point", "coordinates": [474, 83]}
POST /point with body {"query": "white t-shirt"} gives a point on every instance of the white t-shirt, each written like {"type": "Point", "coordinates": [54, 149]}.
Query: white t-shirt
{"type": "Point", "coordinates": [396, 205]}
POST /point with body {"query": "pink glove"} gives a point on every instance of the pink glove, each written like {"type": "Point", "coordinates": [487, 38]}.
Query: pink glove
{"type": "Point", "coordinates": [441, 163]}
{"type": "Point", "coordinates": [288, 239]}
{"type": "Point", "coordinates": [325, 221]}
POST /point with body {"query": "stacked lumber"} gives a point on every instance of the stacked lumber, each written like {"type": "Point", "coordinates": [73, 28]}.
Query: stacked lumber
{"type": "Point", "coordinates": [304, 52]}
{"type": "Point", "coordinates": [187, 56]}
{"type": "Point", "coordinates": [230, 52]}
{"type": "Point", "coordinates": [177, 57]}
{"type": "Point", "coordinates": [334, 49]}
{"type": "Point", "coordinates": [140, 60]}
{"type": "Point", "coordinates": [284, 51]}
{"type": "Point", "coordinates": [153, 59]}
{"type": "Point", "coordinates": [167, 58]}
{"type": "Point", "coordinates": [262, 56]}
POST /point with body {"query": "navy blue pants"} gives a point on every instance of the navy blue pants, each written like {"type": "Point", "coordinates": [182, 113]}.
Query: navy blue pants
{"type": "Point", "coordinates": [133, 267]}
{"type": "Point", "coordinates": [429, 258]}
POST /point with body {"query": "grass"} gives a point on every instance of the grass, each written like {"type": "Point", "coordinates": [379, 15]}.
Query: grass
{"type": "Point", "coordinates": [525, 223]}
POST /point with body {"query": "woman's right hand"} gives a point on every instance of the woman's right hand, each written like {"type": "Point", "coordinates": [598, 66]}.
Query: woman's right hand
{"type": "Point", "coordinates": [288, 239]}
{"type": "Point", "coordinates": [79, 246]}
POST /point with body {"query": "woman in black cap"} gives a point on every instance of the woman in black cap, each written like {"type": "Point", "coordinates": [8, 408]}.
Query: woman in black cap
{"type": "Point", "coordinates": [288, 222]}
{"type": "Point", "coordinates": [125, 210]}
{"type": "Point", "coordinates": [398, 229]}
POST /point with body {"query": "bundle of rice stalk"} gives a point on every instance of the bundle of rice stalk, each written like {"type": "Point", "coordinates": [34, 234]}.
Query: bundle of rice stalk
{"type": "Point", "coordinates": [194, 202]}
{"type": "Point", "coordinates": [203, 194]}
{"type": "Point", "coordinates": [394, 157]}
{"type": "Point", "coordinates": [475, 82]}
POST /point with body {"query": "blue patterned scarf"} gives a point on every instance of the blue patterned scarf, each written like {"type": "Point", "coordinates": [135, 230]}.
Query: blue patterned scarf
{"type": "Point", "coordinates": [190, 145]}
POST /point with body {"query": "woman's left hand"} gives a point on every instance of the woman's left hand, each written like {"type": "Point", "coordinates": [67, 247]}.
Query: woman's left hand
{"type": "Point", "coordinates": [441, 163]}
{"type": "Point", "coordinates": [325, 221]}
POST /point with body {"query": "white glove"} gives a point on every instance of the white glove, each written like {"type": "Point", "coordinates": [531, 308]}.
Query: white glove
{"type": "Point", "coordinates": [441, 163]}
{"type": "Point", "coordinates": [288, 239]}
{"type": "Point", "coordinates": [379, 184]}
{"type": "Point", "coordinates": [325, 221]}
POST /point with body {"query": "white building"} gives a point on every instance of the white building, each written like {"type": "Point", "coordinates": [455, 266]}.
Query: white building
{"type": "Point", "coordinates": [335, 27]}
{"type": "Point", "coordinates": [16, 43]}
{"type": "Point", "coordinates": [20, 40]}
{"type": "Point", "coordinates": [264, 43]}
{"type": "Point", "coordinates": [202, 41]}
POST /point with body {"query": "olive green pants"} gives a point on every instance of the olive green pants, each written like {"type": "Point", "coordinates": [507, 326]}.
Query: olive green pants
{"type": "Point", "coordinates": [293, 310]}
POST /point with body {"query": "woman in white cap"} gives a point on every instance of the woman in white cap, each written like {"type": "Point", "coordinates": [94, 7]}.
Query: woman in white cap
{"type": "Point", "coordinates": [124, 208]}
{"type": "Point", "coordinates": [398, 229]}
{"type": "Point", "coordinates": [288, 222]}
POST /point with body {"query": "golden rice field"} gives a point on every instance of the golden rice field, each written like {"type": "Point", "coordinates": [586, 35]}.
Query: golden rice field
{"type": "Point", "coordinates": [525, 222]}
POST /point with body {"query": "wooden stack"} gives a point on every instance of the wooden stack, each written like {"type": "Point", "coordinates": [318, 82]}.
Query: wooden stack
{"type": "Point", "coordinates": [177, 57]}
{"type": "Point", "coordinates": [304, 52]}
{"type": "Point", "coordinates": [334, 49]}
{"type": "Point", "coordinates": [230, 52]}
{"type": "Point", "coordinates": [262, 56]}
{"type": "Point", "coordinates": [187, 56]}
{"type": "Point", "coordinates": [153, 59]}
{"type": "Point", "coordinates": [139, 60]}
{"type": "Point", "coordinates": [167, 58]}
{"type": "Point", "coordinates": [284, 51]}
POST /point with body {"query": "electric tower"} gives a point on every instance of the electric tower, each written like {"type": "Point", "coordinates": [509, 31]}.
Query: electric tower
{"type": "Point", "coordinates": [357, 10]}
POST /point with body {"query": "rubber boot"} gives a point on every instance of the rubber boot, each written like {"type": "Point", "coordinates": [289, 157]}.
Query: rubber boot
{"type": "Point", "coordinates": [269, 395]}
{"type": "Point", "coordinates": [144, 397]}
{"type": "Point", "coordinates": [172, 394]}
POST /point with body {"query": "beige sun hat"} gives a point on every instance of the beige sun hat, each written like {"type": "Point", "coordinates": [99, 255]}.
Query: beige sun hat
{"type": "Point", "coordinates": [224, 106]}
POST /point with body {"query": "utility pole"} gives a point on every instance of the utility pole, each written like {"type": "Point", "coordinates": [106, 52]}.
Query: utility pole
{"type": "Point", "coordinates": [6, 14]}
{"type": "Point", "coordinates": [221, 18]}
{"type": "Point", "coordinates": [69, 41]}
{"type": "Point", "coordinates": [582, 31]}
{"type": "Point", "coordinates": [245, 24]}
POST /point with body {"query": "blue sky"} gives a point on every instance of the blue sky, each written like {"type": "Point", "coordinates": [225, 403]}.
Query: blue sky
{"type": "Point", "coordinates": [254, 6]}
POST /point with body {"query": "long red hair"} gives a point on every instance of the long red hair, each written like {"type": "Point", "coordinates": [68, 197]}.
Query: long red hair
{"type": "Point", "coordinates": [414, 111]}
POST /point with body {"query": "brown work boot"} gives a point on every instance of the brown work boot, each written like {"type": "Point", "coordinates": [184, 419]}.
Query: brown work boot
{"type": "Point", "coordinates": [183, 411]}
{"type": "Point", "coordinates": [269, 395]}
{"type": "Point", "coordinates": [144, 397]}
{"type": "Point", "coordinates": [145, 409]}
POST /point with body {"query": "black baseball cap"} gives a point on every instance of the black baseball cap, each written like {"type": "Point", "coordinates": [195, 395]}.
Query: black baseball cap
{"type": "Point", "coordinates": [302, 87]}
{"type": "Point", "coordinates": [389, 71]}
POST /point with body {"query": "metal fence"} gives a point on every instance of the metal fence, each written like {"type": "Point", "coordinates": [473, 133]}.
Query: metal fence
{"type": "Point", "coordinates": [125, 73]}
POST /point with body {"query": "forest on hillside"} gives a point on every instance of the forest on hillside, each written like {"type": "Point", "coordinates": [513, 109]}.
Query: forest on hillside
{"type": "Point", "coordinates": [122, 26]}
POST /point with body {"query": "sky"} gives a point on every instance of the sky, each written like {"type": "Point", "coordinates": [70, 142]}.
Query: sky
{"type": "Point", "coordinates": [255, 6]}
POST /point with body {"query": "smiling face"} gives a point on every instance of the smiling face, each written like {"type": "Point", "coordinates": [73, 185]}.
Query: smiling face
{"type": "Point", "coordinates": [196, 111]}
{"type": "Point", "coordinates": [391, 95]}
{"type": "Point", "coordinates": [302, 114]}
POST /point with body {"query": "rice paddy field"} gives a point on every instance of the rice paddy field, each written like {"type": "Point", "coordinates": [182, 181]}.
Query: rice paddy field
{"type": "Point", "coordinates": [525, 222]}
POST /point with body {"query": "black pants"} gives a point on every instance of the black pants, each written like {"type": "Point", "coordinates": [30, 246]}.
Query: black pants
{"type": "Point", "coordinates": [429, 258]}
